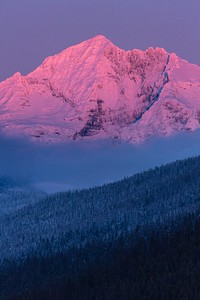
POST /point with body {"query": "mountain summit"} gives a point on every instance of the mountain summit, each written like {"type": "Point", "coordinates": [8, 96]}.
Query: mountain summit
{"type": "Point", "coordinates": [95, 90]}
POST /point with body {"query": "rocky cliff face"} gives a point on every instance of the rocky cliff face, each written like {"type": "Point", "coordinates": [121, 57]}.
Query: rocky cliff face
{"type": "Point", "coordinates": [95, 90]}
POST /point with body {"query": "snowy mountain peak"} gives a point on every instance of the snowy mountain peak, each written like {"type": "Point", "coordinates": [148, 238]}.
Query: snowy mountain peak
{"type": "Point", "coordinates": [99, 39]}
{"type": "Point", "coordinates": [95, 90]}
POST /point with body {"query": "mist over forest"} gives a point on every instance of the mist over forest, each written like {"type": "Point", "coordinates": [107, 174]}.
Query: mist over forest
{"type": "Point", "coordinates": [86, 243]}
{"type": "Point", "coordinates": [56, 167]}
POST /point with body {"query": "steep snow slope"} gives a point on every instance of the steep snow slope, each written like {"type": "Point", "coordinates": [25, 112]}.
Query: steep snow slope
{"type": "Point", "coordinates": [96, 90]}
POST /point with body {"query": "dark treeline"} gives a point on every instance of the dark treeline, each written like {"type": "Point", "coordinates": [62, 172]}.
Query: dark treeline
{"type": "Point", "coordinates": [162, 266]}
{"type": "Point", "coordinates": [133, 239]}
{"type": "Point", "coordinates": [74, 218]}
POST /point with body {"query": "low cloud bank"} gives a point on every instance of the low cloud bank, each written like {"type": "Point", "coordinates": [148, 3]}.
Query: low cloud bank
{"type": "Point", "coordinates": [81, 164]}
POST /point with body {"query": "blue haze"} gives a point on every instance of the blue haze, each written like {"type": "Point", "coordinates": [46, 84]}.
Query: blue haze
{"type": "Point", "coordinates": [79, 165]}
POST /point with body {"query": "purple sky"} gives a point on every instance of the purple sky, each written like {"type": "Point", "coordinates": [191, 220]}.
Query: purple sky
{"type": "Point", "coordinates": [31, 30]}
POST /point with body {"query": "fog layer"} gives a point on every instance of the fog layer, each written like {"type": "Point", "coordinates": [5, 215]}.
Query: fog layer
{"type": "Point", "coordinates": [80, 164]}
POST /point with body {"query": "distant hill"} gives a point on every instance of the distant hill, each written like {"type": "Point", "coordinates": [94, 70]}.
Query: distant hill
{"type": "Point", "coordinates": [125, 240]}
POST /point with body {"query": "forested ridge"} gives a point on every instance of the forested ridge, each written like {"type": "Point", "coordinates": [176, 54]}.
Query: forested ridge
{"type": "Point", "coordinates": [134, 239]}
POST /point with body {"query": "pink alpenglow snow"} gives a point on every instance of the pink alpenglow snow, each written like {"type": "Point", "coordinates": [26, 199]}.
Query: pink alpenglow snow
{"type": "Point", "coordinates": [95, 90]}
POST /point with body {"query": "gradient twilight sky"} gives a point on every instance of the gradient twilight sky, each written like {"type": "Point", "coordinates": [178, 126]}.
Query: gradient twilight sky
{"type": "Point", "coordinates": [31, 30]}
